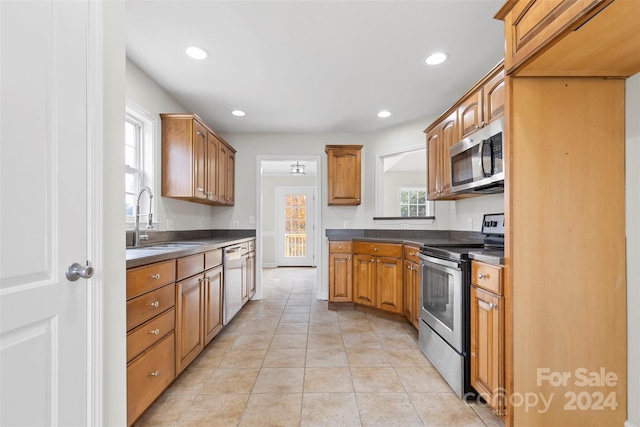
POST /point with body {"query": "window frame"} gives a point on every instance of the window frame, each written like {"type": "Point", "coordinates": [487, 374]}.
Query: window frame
{"type": "Point", "coordinates": [428, 206]}
{"type": "Point", "coordinates": [148, 125]}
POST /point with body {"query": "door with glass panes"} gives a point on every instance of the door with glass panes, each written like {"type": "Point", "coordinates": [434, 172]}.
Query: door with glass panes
{"type": "Point", "coordinates": [295, 207]}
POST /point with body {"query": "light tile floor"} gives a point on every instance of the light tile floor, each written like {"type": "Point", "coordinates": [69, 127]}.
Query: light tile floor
{"type": "Point", "coordinates": [289, 361]}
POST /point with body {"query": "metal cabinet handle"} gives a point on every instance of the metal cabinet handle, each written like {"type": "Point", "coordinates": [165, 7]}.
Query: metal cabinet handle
{"type": "Point", "coordinates": [340, 247]}
{"type": "Point", "coordinates": [154, 374]}
{"type": "Point", "coordinates": [492, 305]}
{"type": "Point", "coordinates": [154, 276]}
{"type": "Point", "coordinates": [155, 304]}
{"type": "Point", "coordinates": [199, 133]}
{"type": "Point", "coordinates": [482, 276]}
{"type": "Point", "coordinates": [155, 332]}
{"type": "Point", "coordinates": [375, 249]}
{"type": "Point", "coordinates": [349, 259]}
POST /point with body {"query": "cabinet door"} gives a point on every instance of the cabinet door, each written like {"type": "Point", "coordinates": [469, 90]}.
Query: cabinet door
{"type": "Point", "coordinates": [251, 273]}
{"type": "Point", "coordinates": [470, 114]}
{"type": "Point", "coordinates": [212, 167]}
{"type": "Point", "coordinates": [212, 303]}
{"type": "Point", "coordinates": [389, 284]}
{"type": "Point", "coordinates": [199, 161]}
{"type": "Point", "coordinates": [244, 289]}
{"type": "Point", "coordinates": [189, 321]}
{"type": "Point", "coordinates": [433, 163]}
{"type": "Point", "coordinates": [487, 346]}
{"type": "Point", "coordinates": [493, 94]}
{"type": "Point", "coordinates": [340, 278]}
{"type": "Point", "coordinates": [344, 174]}
{"type": "Point", "coordinates": [449, 136]}
{"type": "Point", "coordinates": [223, 158]}
{"type": "Point", "coordinates": [411, 292]}
{"type": "Point", "coordinates": [364, 280]}
{"type": "Point", "coordinates": [532, 25]}
{"type": "Point", "coordinates": [231, 171]}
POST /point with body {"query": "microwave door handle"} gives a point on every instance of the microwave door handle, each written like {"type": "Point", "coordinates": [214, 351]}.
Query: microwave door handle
{"type": "Point", "coordinates": [481, 158]}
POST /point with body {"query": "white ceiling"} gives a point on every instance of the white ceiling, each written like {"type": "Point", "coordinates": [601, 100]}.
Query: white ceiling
{"type": "Point", "coordinates": [314, 66]}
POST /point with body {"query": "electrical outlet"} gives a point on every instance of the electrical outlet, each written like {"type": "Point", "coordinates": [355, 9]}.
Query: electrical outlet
{"type": "Point", "coordinates": [235, 224]}
{"type": "Point", "coordinates": [470, 224]}
{"type": "Point", "coordinates": [252, 219]}
{"type": "Point", "coordinates": [404, 225]}
{"type": "Point", "coordinates": [169, 224]}
{"type": "Point", "coordinates": [345, 224]}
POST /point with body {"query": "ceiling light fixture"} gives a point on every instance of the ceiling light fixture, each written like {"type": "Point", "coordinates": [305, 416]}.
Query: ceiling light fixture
{"type": "Point", "coordinates": [297, 169]}
{"type": "Point", "coordinates": [238, 113]}
{"type": "Point", "coordinates": [436, 58]}
{"type": "Point", "coordinates": [196, 52]}
{"type": "Point", "coordinates": [384, 114]}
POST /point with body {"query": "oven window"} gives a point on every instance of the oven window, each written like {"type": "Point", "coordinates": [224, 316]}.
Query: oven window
{"type": "Point", "coordinates": [438, 295]}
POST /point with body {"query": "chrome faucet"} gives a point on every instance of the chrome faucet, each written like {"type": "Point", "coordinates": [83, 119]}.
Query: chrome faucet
{"type": "Point", "coordinates": [136, 232]}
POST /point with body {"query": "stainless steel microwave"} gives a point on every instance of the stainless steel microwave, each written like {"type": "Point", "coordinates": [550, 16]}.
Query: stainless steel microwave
{"type": "Point", "coordinates": [477, 163]}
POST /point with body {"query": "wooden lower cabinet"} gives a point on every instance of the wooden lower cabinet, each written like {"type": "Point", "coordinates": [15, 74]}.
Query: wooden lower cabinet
{"type": "Point", "coordinates": [340, 272]}
{"type": "Point", "coordinates": [411, 292]}
{"type": "Point", "coordinates": [148, 375]}
{"type": "Point", "coordinates": [487, 335]}
{"type": "Point", "coordinates": [212, 303]}
{"type": "Point", "coordinates": [377, 276]}
{"type": "Point", "coordinates": [189, 320]}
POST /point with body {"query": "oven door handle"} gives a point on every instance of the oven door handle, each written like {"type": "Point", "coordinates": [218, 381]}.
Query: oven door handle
{"type": "Point", "coordinates": [439, 262]}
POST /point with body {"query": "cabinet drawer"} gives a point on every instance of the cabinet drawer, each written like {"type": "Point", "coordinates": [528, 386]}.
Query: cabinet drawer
{"type": "Point", "coordinates": [148, 375]}
{"type": "Point", "coordinates": [487, 276]}
{"type": "Point", "coordinates": [378, 249]}
{"type": "Point", "coordinates": [149, 305]}
{"type": "Point", "coordinates": [189, 265]}
{"type": "Point", "coordinates": [411, 253]}
{"type": "Point", "coordinates": [212, 259]}
{"type": "Point", "coordinates": [149, 277]}
{"type": "Point", "coordinates": [149, 333]}
{"type": "Point", "coordinates": [340, 247]}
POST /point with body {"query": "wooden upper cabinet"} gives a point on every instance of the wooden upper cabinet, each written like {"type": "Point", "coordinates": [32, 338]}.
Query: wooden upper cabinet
{"type": "Point", "coordinates": [191, 161]}
{"type": "Point", "coordinates": [470, 114]}
{"type": "Point", "coordinates": [531, 26]}
{"type": "Point", "coordinates": [344, 176]}
{"type": "Point", "coordinates": [493, 94]}
{"type": "Point", "coordinates": [433, 163]}
{"type": "Point", "coordinates": [439, 140]}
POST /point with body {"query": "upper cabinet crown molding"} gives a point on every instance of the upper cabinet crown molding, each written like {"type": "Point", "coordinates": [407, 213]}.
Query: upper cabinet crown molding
{"type": "Point", "coordinates": [344, 174]}
{"type": "Point", "coordinates": [197, 164]}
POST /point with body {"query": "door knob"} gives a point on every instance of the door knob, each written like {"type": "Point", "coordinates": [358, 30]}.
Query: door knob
{"type": "Point", "coordinates": [76, 271]}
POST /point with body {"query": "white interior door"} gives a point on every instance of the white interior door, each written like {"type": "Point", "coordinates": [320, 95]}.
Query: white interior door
{"type": "Point", "coordinates": [43, 214]}
{"type": "Point", "coordinates": [295, 222]}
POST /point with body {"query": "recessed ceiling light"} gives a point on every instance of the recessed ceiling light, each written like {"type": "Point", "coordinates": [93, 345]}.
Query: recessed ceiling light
{"type": "Point", "coordinates": [384, 114]}
{"type": "Point", "coordinates": [436, 58]}
{"type": "Point", "coordinates": [197, 52]}
{"type": "Point", "coordinates": [238, 113]}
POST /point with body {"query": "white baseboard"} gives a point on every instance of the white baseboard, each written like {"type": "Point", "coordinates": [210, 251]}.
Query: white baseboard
{"type": "Point", "coordinates": [629, 424]}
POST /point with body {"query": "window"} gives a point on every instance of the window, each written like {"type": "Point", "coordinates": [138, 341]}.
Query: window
{"type": "Point", "coordinates": [413, 202]}
{"type": "Point", "coordinates": [138, 146]}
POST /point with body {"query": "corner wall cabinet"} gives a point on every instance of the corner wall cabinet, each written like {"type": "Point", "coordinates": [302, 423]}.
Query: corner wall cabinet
{"type": "Point", "coordinates": [197, 164]}
{"type": "Point", "coordinates": [480, 106]}
{"type": "Point", "coordinates": [344, 174]}
{"type": "Point", "coordinates": [487, 334]}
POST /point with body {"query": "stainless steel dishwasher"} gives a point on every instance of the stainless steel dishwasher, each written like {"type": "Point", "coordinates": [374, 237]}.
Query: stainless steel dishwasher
{"type": "Point", "coordinates": [233, 289]}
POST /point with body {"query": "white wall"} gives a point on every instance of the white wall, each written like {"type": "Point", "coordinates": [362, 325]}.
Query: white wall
{"type": "Point", "coordinates": [393, 181]}
{"type": "Point", "coordinates": [149, 96]}
{"type": "Point", "coordinates": [633, 245]}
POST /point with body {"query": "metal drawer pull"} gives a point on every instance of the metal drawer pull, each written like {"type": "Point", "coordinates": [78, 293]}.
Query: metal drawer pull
{"type": "Point", "coordinates": [155, 304]}
{"type": "Point", "coordinates": [155, 276]}
{"type": "Point", "coordinates": [482, 276]}
{"type": "Point", "coordinates": [492, 305]}
{"type": "Point", "coordinates": [375, 249]}
{"type": "Point", "coordinates": [154, 374]}
{"type": "Point", "coordinates": [155, 332]}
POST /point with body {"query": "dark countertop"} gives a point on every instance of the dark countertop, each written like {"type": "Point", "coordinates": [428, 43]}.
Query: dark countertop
{"type": "Point", "coordinates": [144, 255]}
{"type": "Point", "coordinates": [411, 237]}
{"type": "Point", "coordinates": [490, 256]}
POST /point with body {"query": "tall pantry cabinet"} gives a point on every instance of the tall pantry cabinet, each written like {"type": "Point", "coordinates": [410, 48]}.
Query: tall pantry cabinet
{"type": "Point", "coordinates": [564, 283]}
